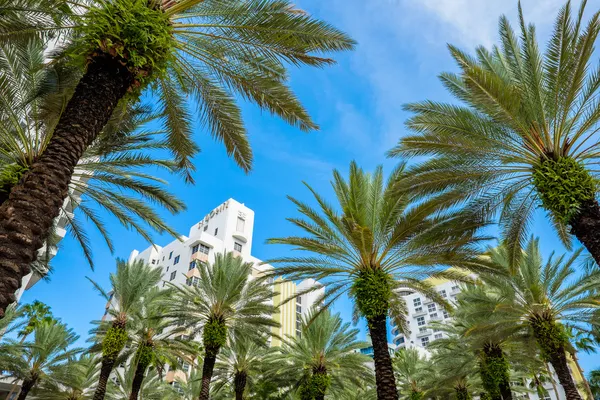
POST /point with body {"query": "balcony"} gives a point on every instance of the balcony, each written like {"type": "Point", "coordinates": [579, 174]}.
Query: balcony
{"type": "Point", "coordinates": [200, 256]}
{"type": "Point", "coordinates": [193, 272]}
{"type": "Point", "coordinates": [425, 332]}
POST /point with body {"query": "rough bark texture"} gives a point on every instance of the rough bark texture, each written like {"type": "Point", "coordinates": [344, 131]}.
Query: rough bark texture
{"type": "Point", "coordinates": [28, 384]}
{"type": "Point", "coordinates": [105, 370]}
{"type": "Point", "coordinates": [207, 371]}
{"type": "Point", "coordinates": [493, 369]}
{"type": "Point", "coordinates": [239, 382]}
{"type": "Point", "coordinates": [585, 225]}
{"type": "Point", "coordinates": [138, 379]}
{"type": "Point", "coordinates": [384, 372]}
{"type": "Point", "coordinates": [558, 359]}
{"type": "Point", "coordinates": [27, 216]}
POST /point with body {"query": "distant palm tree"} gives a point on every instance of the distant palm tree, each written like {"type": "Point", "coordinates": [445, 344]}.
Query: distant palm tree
{"type": "Point", "coordinates": [153, 338]}
{"type": "Point", "coordinates": [539, 297]}
{"type": "Point", "coordinates": [130, 284]}
{"type": "Point", "coordinates": [73, 380]}
{"type": "Point", "coordinates": [50, 347]}
{"type": "Point", "coordinates": [238, 365]}
{"type": "Point", "coordinates": [35, 314]}
{"type": "Point", "coordinates": [227, 304]}
{"type": "Point", "coordinates": [413, 372]}
{"type": "Point", "coordinates": [374, 245]}
{"type": "Point", "coordinates": [324, 359]}
{"type": "Point", "coordinates": [196, 56]}
{"type": "Point", "coordinates": [523, 135]}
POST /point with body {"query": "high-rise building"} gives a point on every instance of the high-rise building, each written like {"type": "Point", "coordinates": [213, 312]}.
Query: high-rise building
{"type": "Point", "coordinates": [229, 227]}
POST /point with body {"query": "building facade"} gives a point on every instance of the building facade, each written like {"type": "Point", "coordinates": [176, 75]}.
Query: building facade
{"type": "Point", "coordinates": [228, 227]}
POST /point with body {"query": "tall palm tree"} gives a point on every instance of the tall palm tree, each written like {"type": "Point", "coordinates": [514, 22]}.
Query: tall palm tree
{"type": "Point", "coordinates": [226, 304]}
{"type": "Point", "coordinates": [413, 371]}
{"type": "Point", "coordinates": [210, 50]}
{"type": "Point", "coordinates": [130, 285]}
{"type": "Point", "coordinates": [111, 174]}
{"type": "Point", "coordinates": [73, 380]}
{"type": "Point", "coordinates": [50, 347]}
{"type": "Point", "coordinates": [238, 365]}
{"type": "Point", "coordinates": [540, 297]}
{"type": "Point", "coordinates": [523, 135]}
{"type": "Point", "coordinates": [374, 245]}
{"type": "Point", "coordinates": [324, 359]}
{"type": "Point", "coordinates": [153, 388]}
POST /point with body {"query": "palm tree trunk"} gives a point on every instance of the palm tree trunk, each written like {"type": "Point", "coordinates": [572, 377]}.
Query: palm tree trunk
{"type": "Point", "coordinates": [384, 372]}
{"type": "Point", "coordinates": [239, 382]}
{"type": "Point", "coordinates": [462, 393]}
{"type": "Point", "coordinates": [26, 387]}
{"type": "Point", "coordinates": [207, 371]}
{"type": "Point", "coordinates": [138, 379]}
{"type": "Point", "coordinates": [27, 216]}
{"type": "Point", "coordinates": [493, 365]}
{"type": "Point", "coordinates": [105, 370]}
{"type": "Point", "coordinates": [558, 359]}
{"type": "Point", "coordinates": [585, 225]}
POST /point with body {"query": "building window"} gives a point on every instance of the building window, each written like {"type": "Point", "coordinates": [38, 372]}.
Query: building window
{"type": "Point", "coordinates": [434, 315]}
{"type": "Point", "coordinates": [298, 308]}
{"type": "Point", "coordinates": [185, 366]}
{"type": "Point", "coordinates": [431, 307]}
{"type": "Point", "coordinates": [455, 288]}
{"type": "Point", "coordinates": [419, 309]}
{"type": "Point", "coordinates": [195, 281]}
{"type": "Point", "coordinates": [153, 262]}
{"type": "Point", "coordinates": [437, 336]}
{"type": "Point", "coordinates": [203, 249]}
{"type": "Point", "coordinates": [205, 228]}
{"type": "Point", "coordinates": [188, 281]}
{"type": "Point", "coordinates": [240, 225]}
{"type": "Point", "coordinates": [170, 255]}
{"type": "Point", "coordinates": [192, 265]}
{"type": "Point", "coordinates": [237, 247]}
{"type": "Point", "coordinates": [425, 341]}
{"type": "Point", "coordinates": [420, 321]}
{"type": "Point", "coordinates": [163, 258]}
{"type": "Point", "coordinates": [400, 340]}
{"type": "Point", "coordinates": [216, 231]}
{"type": "Point", "coordinates": [446, 315]}
{"type": "Point", "coordinates": [417, 301]}
{"type": "Point", "coordinates": [443, 293]}
{"type": "Point", "coordinates": [173, 275]}
{"type": "Point", "coordinates": [299, 300]}
{"type": "Point", "coordinates": [176, 261]}
{"type": "Point", "coordinates": [195, 249]}
{"type": "Point", "coordinates": [167, 269]}
{"type": "Point", "coordinates": [422, 330]}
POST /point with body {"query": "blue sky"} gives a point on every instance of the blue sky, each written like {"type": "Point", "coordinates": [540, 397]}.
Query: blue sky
{"type": "Point", "coordinates": [402, 49]}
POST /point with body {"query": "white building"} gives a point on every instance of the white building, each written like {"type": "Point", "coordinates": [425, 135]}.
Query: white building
{"type": "Point", "coordinates": [229, 227]}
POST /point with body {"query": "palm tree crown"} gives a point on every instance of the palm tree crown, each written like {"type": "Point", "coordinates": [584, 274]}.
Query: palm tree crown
{"type": "Point", "coordinates": [375, 245]}
{"type": "Point", "coordinates": [524, 134]}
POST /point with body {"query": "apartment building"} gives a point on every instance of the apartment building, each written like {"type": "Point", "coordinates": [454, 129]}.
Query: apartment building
{"type": "Point", "coordinates": [228, 227]}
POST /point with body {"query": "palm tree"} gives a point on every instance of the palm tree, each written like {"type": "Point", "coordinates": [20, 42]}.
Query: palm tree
{"type": "Point", "coordinates": [74, 380]}
{"type": "Point", "coordinates": [324, 359]}
{"type": "Point", "coordinates": [210, 50]}
{"type": "Point", "coordinates": [413, 372]}
{"type": "Point", "coordinates": [35, 314]}
{"type": "Point", "coordinates": [540, 297]}
{"type": "Point", "coordinates": [154, 340]}
{"type": "Point", "coordinates": [130, 284]}
{"type": "Point", "coordinates": [524, 135]}
{"type": "Point", "coordinates": [226, 304]}
{"type": "Point", "coordinates": [374, 246]}
{"type": "Point", "coordinates": [109, 176]}
{"type": "Point", "coordinates": [238, 365]}
{"type": "Point", "coordinates": [50, 348]}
